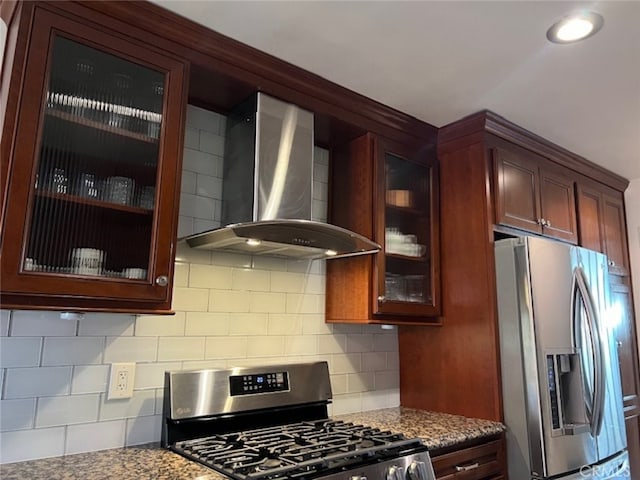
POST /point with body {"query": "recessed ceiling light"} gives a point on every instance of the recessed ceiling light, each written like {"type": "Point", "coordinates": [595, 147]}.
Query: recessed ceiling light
{"type": "Point", "coordinates": [575, 27]}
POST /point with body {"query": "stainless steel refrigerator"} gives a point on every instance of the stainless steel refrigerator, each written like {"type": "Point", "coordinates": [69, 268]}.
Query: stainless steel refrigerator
{"type": "Point", "coordinates": [561, 388]}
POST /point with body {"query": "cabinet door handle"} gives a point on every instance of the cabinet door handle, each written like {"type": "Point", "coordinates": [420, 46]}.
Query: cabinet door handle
{"type": "Point", "coordinates": [162, 281]}
{"type": "Point", "coordinates": [464, 468]}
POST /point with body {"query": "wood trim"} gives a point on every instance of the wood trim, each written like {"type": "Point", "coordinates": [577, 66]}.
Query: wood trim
{"type": "Point", "coordinates": [260, 71]}
{"type": "Point", "coordinates": [7, 9]}
{"type": "Point", "coordinates": [489, 122]}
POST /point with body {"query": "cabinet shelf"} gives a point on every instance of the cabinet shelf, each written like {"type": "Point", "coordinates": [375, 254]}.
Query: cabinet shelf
{"type": "Point", "coordinates": [405, 210]}
{"type": "Point", "coordinates": [94, 203]}
{"type": "Point", "coordinates": [405, 258]}
{"type": "Point", "coordinates": [121, 132]}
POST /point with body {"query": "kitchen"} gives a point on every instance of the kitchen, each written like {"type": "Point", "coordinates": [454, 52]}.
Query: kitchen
{"type": "Point", "coordinates": [273, 308]}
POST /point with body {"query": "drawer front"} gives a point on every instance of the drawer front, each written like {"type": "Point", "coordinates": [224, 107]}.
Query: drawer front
{"type": "Point", "coordinates": [482, 462]}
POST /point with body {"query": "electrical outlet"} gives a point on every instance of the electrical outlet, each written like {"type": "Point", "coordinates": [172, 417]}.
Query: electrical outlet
{"type": "Point", "coordinates": [121, 380]}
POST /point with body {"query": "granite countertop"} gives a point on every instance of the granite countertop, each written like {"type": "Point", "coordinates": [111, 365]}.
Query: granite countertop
{"type": "Point", "coordinates": [150, 462]}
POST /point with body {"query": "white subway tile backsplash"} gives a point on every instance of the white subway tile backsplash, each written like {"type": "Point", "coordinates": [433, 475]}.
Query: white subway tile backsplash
{"type": "Point", "coordinates": [112, 324]}
{"type": "Point", "coordinates": [347, 328]}
{"type": "Point", "coordinates": [320, 156]}
{"type": "Point", "coordinates": [332, 344]}
{"type": "Point", "coordinates": [212, 143]}
{"type": "Point", "coordinates": [374, 361]}
{"type": "Point", "coordinates": [338, 384]}
{"type": "Point", "coordinates": [360, 382]}
{"type": "Point", "coordinates": [393, 361]}
{"type": "Point", "coordinates": [17, 414]}
{"type": "Point", "coordinates": [131, 349]}
{"type": "Point", "coordinates": [248, 279]}
{"type": "Point", "coordinates": [160, 325]}
{"type": "Point", "coordinates": [204, 364]}
{"type": "Point", "coordinates": [225, 259]}
{"type": "Point", "coordinates": [320, 172]}
{"type": "Point", "coordinates": [95, 436]}
{"type": "Point", "coordinates": [288, 282]}
{"type": "Point", "coordinates": [387, 380]}
{"type": "Point", "coordinates": [185, 226]}
{"type": "Point", "coordinates": [261, 302]}
{"type": "Point", "coordinates": [142, 403]}
{"type": "Point", "coordinates": [190, 299]}
{"type": "Point", "coordinates": [40, 324]}
{"type": "Point", "coordinates": [203, 208]}
{"type": "Point", "coordinates": [143, 430]}
{"type": "Point", "coordinates": [208, 186]}
{"type": "Point", "coordinates": [67, 410]}
{"type": "Point", "coordinates": [206, 323]}
{"type": "Point", "coordinates": [345, 363]}
{"type": "Point", "coordinates": [151, 375]}
{"type": "Point", "coordinates": [210, 276]}
{"type": "Point", "coordinates": [201, 162]}
{"type": "Point", "coordinates": [303, 303]}
{"type": "Point", "coordinates": [228, 301]}
{"type": "Point", "coordinates": [314, 285]}
{"type": "Point", "coordinates": [37, 382]}
{"type": "Point", "coordinates": [191, 138]}
{"type": "Point", "coordinates": [202, 119]}
{"type": "Point", "coordinates": [319, 211]}
{"type": "Point", "coordinates": [5, 315]}
{"type": "Point", "coordinates": [284, 324]}
{"type": "Point", "coordinates": [72, 350]}
{"type": "Point", "coordinates": [314, 324]}
{"type": "Point", "coordinates": [300, 345]}
{"type": "Point", "coordinates": [268, 263]}
{"type": "Point", "coordinates": [377, 399]}
{"type": "Point", "coordinates": [20, 351]}
{"type": "Point", "coordinates": [226, 347]}
{"type": "Point", "coordinates": [265, 346]}
{"type": "Point", "coordinates": [359, 342]}
{"type": "Point", "coordinates": [185, 254]}
{"type": "Point", "coordinates": [181, 348]}
{"type": "Point", "coordinates": [200, 225]}
{"type": "Point", "coordinates": [181, 275]}
{"type": "Point", "coordinates": [25, 445]}
{"type": "Point", "coordinates": [385, 342]}
{"type": "Point", "coordinates": [188, 185]}
{"type": "Point", "coordinates": [248, 324]}
{"type": "Point", "coordinates": [89, 378]}
{"type": "Point", "coordinates": [349, 403]}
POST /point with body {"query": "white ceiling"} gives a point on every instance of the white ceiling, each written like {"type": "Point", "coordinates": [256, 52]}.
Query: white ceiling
{"type": "Point", "coordinates": [442, 60]}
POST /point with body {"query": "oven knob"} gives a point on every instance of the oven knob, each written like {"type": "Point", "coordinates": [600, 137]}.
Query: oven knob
{"type": "Point", "coordinates": [395, 473]}
{"type": "Point", "coordinates": [419, 471]}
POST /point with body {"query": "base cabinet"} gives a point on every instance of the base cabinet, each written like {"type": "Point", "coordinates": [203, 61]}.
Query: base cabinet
{"type": "Point", "coordinates": [486, 461]}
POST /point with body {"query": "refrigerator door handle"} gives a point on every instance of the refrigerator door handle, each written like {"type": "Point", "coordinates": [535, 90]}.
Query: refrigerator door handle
{"type": "Point", "coordinates": [594, 333]}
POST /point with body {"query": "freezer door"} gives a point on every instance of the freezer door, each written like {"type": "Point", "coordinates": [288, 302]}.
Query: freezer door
{"type": "Point", "coordinates": [609, 416]}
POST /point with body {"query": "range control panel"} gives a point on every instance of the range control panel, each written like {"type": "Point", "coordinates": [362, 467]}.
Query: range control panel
{"type": "Point", "coordinates": [258, 383]}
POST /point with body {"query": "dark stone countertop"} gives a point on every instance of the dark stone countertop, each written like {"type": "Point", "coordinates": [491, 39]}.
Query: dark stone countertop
{"type": "Point", "coordinates": [438, 430]}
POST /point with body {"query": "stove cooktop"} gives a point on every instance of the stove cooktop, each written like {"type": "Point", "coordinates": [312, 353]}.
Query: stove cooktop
{"type": "Point", "coordinates": [299, 450]}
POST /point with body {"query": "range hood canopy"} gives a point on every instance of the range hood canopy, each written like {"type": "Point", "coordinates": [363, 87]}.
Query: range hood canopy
{"type": "Point", "coordinates": [268, 188]}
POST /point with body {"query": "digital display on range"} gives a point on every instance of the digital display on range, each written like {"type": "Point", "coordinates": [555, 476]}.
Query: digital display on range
{"type": "Point", "coordinates": [258, 383]}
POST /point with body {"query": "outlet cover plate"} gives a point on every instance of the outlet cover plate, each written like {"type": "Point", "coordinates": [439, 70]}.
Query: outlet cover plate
{"type": "Point", "coordinates": [121, 380]}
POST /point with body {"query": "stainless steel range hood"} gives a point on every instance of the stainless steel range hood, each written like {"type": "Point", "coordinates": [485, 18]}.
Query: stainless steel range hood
{"type": "Point", "coordinates": [268, 188]}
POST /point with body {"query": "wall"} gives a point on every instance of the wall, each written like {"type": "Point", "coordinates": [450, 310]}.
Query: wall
{"type": "Point", "coordinates": [230, 310]}
{"type": "Point", "coordinates": [632, 203]}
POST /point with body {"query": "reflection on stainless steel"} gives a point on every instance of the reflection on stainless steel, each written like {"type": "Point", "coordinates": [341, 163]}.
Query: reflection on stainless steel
{"type": "Point", "coordinates": [561, 384]}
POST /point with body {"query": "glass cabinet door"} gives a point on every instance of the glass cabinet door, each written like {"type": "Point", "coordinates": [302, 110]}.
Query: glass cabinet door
{"type": "Point", "coordinates": [95, 167]}
{"type": "Point", "coordinates": [405, 271]}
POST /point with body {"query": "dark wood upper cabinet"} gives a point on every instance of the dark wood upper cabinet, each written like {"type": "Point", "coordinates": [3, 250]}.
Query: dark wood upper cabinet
{"type": "Point", "coordinates": [387, 191]}
{"type": "Point", "coordinates": [602, 224]}
{"type": "Point", "coordinates": [533, 194]}
{"type": "Point", "coordinates": [90, 214]}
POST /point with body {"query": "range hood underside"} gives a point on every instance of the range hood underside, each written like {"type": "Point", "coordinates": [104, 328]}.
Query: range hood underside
{"type": "Point", "coordinates": [299, 239]}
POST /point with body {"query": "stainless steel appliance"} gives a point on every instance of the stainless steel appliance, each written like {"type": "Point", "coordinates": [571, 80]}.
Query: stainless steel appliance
{"type": "Point", "coordinates": [271, 422]}
{"type": "Point", "coordinates": [560, 377]}
{"type": "Point", "coordinates": [268, 188]}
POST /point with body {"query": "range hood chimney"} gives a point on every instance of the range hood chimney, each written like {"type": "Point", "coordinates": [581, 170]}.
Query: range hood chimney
{"type": "Point", "coordinates": [268, 188]}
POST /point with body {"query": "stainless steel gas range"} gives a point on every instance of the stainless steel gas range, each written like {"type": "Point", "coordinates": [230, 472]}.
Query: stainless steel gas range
{"type": "Point", "coordinates": [265, 423]}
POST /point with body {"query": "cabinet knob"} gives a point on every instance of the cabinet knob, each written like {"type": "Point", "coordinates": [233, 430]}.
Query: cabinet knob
{"type": "Point", "coordinates": [612, 263]}
{"type": "Point", "coordinates": [541, 221]}
{"type": "Point", "coordinates": [162, 281]}
{"type": "Point", "coordinates": [548, 223]}
{"type": "Point", "coordinates": [381, 298]}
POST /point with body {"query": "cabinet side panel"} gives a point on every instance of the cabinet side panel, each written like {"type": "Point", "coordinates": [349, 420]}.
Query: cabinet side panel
{"type": "Point", "coordinates": [439, 367]}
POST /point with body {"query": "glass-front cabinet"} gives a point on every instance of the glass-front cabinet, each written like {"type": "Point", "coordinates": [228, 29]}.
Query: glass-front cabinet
{"type": "Point", "coordinates": [387, 191]}
{"type": "Point", "coordinates": [406, 229]}
{"type": "Point", "coordinates": [90, 213]}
